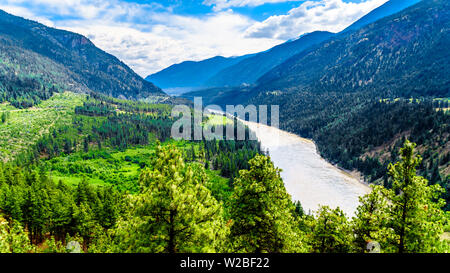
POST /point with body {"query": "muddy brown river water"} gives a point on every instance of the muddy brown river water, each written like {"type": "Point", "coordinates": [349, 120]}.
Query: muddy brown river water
{"type": "Point", "coordinates": [307, 176]}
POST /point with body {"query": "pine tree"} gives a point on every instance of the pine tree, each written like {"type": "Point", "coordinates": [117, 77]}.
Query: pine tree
{"type": "Point", "coordinates": [330, 232]}
{"type": "Point", "coordinates": [370, 223]}
{"type": "Point", "coordinates": [299, 209]}
{"type": "Point", "coordinates": [84, 222]}
{"type": "Point", "coordinates": [174, 212]}
{"type": "Point", "coordinates": [435, 177]}
{"type": "Point", "coordinates": [62, 206]}
{"type": "Point", "coordinates": [110, 208]}
{"type": "Point", "coordinates": [406, 218]}
{"type": "Point", "coordinates": [13, 238]}
{"type": "Point", "coordinates": [86, 145]}
{"type": "Point", "coordinates": [262, 211]}
{"type": "Point", "coordinates": [417, 220]}
{"type": "Point", "coordinates": [37, 210]}
{"type": "Point", "coordinates": [67, 146]}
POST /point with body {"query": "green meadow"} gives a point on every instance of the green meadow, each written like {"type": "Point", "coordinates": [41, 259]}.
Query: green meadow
{"type": "Point", "coordinates": [23, 127]}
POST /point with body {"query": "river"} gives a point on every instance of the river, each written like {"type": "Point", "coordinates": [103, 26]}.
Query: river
{"type": "Point", "coordinates": [308, 177]}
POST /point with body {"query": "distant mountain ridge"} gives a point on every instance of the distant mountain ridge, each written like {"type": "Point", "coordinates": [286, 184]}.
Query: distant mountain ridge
{"type": "Point", "coordinates": [404, 54]}
{"type": "Point", "coordinates": [220, 71]}
{"type": "Point", "coordinates": [192, 74]}
{"type": "Point", "coordinates": [250, 69]}
{"type": "Point", "coordinates": [63, 58]}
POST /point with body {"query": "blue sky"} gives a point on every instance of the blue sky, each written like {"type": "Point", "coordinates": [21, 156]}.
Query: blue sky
{"type": "Point", "coordinates": [151, 35]}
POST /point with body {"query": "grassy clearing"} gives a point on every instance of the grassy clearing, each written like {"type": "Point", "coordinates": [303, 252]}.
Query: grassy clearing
{"type": "Point", "coordinates": [6, 106]}
{"type": "Point", "coordinates": [218, 120]}
{"type": "Point", "coordinates": [23, 127]}
{"type": "Point", "coordinates": [219, 186]}
{"type": "Point", "coordinates": [120, 169]}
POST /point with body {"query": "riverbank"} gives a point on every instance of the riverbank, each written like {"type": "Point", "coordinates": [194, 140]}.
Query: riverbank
{"type": "Point", "coordinates": [308, 177]}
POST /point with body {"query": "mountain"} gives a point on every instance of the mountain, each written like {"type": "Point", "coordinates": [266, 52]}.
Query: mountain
{"type": "Point", "coordinates": [388, 8]}
{"type": "Point", "coordinates": [33, 55]}
{"type": "Point", "coordinates": [246, 70]}
{"type": "Point", "coordinates": [220, 71]}
{"type": "Point", "coordinates": [249, 70]}
{"type": "Point", "coordinates": [406, 54]}
{"type": "Point", "coordinates": [352, 93]}
{"type": "Point", "coordinates": [190, 75]}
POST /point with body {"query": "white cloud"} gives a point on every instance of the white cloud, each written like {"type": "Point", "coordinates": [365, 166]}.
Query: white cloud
{"type": "Point", "coordinates": [327, 15]}
{"type": "Point", "coordinates": [225, 4]}
{"type": "Point", "coordinates": [149, 37]}
{"type": "Point", "coordinates": [23, 12]}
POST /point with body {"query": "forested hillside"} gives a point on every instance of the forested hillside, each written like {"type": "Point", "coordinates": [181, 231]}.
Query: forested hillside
{"type": "Point", "coordinates": [178, 207]}
{"type": "Point", "coordinates": [28, 78]}
{"type": "Point", "coordinates": [88, 163]}
{"type": "Point", "coordinates": [74, 179]}
{"type": "Point", "coordinates": [404, 54]}
{"type": "Point", "coordinates": [352, 94]}
{"type": "Point", "coordinates": [38, 58]}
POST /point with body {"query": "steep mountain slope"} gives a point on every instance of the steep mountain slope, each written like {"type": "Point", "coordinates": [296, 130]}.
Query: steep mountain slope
{"type": "Point", "coordinates": [50, 56]}
{"type": "Point", "coordinates": [191, 74]}
{"type": "Point", "coordinates": [388, 8]}
{"type": "Point", "coordinates": [346, 93]}
{"type": "Point", "coordinates": [405, 54]}
{"type": "Point", "coordinates": [26, 77]}
{"type": "Point", "coordinates": [220, 71]}
{"type": "Point", "coordinates": [249, 70]}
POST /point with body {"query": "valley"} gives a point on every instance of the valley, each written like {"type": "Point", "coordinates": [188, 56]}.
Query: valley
{"type": "Point", "coordinates": [23, 127]}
